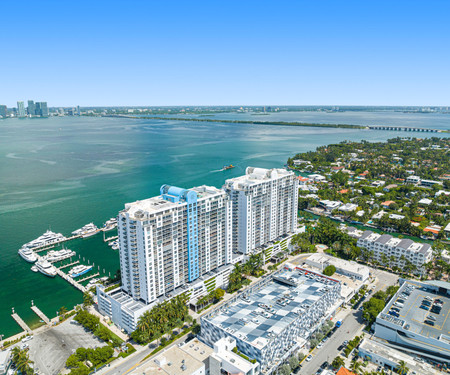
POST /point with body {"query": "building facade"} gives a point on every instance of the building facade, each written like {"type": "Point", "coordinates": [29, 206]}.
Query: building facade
{"type": "Point", "coordinates": [21, 109]}
{"type": "Point", "coordinates": [3, 111]}
{"type": "Point", "coordinates": [31, 109]}
{"type": "Point", "coordinates": [265, 205]}
{"type": "Point", "coordinates": [398, 251]}
{"type": "Point", "coordinates": [173, 239]}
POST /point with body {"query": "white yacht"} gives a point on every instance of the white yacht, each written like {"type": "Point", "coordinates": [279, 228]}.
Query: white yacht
{"type": "Point", "coordinates": [45, 267]}
{"type": "Point", "coordinates": [34, 268]}
{"type": "Point", "coordinates": [79, 270]}
{"type": "Point", "coordinates": [110, 224]}
{"type": "Point", "coordinates": [86, 231]}
{"type": "Point", "coordinates": [27, 254]}
{"type": "Point", "coordinates": [48, 238]}
{"type": "Point", "coordinates": [56, 256]}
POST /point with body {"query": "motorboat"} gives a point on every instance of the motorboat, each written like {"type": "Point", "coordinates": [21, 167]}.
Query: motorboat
{"type": "Point", "coordinates": [86, 231]}
{"type": "Point", "coordinates": [57, 256]}
{"type": "Point", "coordinates": [45, 267]}
{"type": "Point", "coordinates": [48, 238]}
{"type": "Point", "coordinates": [28, 254]}
{"type": "Point", "coordinates": [110, 224]}
{"type": "Point", "coordinates": [79, 270]}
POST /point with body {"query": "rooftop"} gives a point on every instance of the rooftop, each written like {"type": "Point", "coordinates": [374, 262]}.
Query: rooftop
{"type": "Point", "coordinates": [177, 361]}
{"type": "Point", "coordinates": [254, 176]}
{"type": "Point", "coordinates": [412, 317]}
{"type": "Point", "coordinates": [261, 316]}
{"type": "Point", "coordinates": [141, 209]}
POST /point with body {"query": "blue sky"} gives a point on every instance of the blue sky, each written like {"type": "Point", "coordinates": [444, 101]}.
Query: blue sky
{"type": "Point", "coordinates": [100, 53]}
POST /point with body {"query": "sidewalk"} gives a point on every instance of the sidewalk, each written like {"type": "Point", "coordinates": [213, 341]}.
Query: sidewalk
{"type": "Point", "coordinates": [92, 310]}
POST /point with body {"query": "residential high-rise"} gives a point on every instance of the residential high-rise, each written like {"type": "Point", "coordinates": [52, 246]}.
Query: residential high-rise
{"type": "Point", "coordinates": [172, 239]}
{"type": "Point", "coordinates": [265, 205]}
{"type": "Point", "coordinates": [3, 111]}
{"type": "Point", "coordinates": [21, 109]}
{"type": "Point", "coordinates": [78, 111]}
{"type": "Point", "coordinates": [31, 109]}
{"type": "Point", "coordinates": [41, 109]}
{"type": "Point", "coordinates": [181, 242]}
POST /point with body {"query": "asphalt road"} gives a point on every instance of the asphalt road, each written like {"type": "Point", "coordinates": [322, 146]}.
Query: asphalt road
{"type": "Point", "coordinates": [351, 325]}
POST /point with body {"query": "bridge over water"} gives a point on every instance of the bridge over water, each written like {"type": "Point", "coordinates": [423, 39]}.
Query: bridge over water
{"type": "Point", "coordinates": [403, 128]}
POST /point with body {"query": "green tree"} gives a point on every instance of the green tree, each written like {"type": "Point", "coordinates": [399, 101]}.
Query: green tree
{"type": "Point", "coordinates": [401, 368]}
{"type": "Point", "coordinates": [88, 300]}
{"type": "Point", "coordinates": [329, 270]}
{"type": "Point", "coordinates": [338, 362]}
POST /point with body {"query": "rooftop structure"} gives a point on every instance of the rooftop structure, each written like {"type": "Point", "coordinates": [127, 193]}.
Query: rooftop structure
{"type": "Point", "coordinates": [268, 319]}
{"type": "Point", "coordinates": [387, 357]}
{"type": "Point", "coordinates": [408, 331]}
{"type": "Point", "coordinates": [187, 360]}
{"type": "Point", "coordinates": [330, 205]}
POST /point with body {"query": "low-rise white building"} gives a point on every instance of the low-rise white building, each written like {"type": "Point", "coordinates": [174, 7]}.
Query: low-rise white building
{"type": "Point", "coordinates": [348, 207]}
{"type": "Point", "coordinates": [425, 201]}
{"type": "Point", "coordinates": [389, 358]}
{"type": "Point", "coordinates": [414, 180]}
{"type": "Point", "coordinates": [402, 250]}
{"type": "Point", "coordinates": [396, 217]}
{"type": "Point", "coordinates": [330, 205]}
{"type": "Point", "coordinates": [5, 359]}
{"type": "Point", "coordinates": [343, 267]}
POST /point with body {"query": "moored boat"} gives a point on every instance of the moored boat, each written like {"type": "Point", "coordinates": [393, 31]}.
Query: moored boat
{"type": "Point", "coordinates": [79, 270]}
{"type": "Point", "coordinates": [45, 267]}
{"type": "Point", "coordinates": [27, 254]}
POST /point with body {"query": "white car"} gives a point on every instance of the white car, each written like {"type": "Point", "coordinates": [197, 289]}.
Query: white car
{"type": "Point", "coordinates": [319, 346]}
{"type": "Point", "coordinates": [308, 358]}
{"type": "Point", "coordinates": [28, 338]}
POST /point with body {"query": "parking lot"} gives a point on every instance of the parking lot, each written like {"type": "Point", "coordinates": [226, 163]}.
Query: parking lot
{"type": "Point", "coordinates": [50, 349]}
{"type": "Point", "coordinates": [415, 315]}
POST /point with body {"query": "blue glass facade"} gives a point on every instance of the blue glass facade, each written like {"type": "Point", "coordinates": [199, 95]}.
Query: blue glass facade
{"type": "Point", "coordinates": [178, 195]}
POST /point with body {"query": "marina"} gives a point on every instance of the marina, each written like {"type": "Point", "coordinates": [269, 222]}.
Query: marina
{"type": "Point", "coordinates": [20, 322]}
{"type": "Point", "coordinates": [39, 313]}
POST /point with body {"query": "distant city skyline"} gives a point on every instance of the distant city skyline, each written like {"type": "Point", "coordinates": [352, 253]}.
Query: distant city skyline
{"type": "Point", "coordinates": [251, 53]}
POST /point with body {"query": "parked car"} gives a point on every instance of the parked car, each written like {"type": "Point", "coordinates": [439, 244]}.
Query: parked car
{"type": "Point", "coordinates": [308, 358]}
{"type": "Point", "coordinates": [424, 307]}
{"type": "Point", "coordinates": [324, 365]}
{"type": "Point", "coordinates": [429, 322]}
{"type": "Point", "coordinates": [431, 317]}
{"type": "Point", "coordinates": [340, 347]}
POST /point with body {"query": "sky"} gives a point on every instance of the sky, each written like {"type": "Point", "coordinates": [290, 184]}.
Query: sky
{"type": "Point", "coordinates": [157, 53]}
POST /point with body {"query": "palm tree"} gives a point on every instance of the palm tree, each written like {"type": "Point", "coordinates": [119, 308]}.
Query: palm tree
{"type": "Point", "coordinates": [62, 311]}
{"type": "Point", "coordinates": [401, 367]}
{"type": "Point", "coordinates": [24, 364]}
{"type": "Point", "coordinates": [355, 366]}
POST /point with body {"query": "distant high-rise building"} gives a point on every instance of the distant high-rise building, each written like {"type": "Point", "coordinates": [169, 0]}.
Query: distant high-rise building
{"type": "Point", "coordinates": [21, 109]}
{"type": "Point", "coordinates": [41, 109]}
{"type": "Point", "coordinates": [31, 109]}
{"type": "Point", "coordinates": [78, 110]}
{"type": "Point", "coordinates": [3, 111]}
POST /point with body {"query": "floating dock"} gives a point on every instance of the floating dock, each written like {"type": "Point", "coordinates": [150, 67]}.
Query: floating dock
{"type": "Point", "coordinates": [68, 265]}
{"type": "Point", "coordinates": [40, 314]}
{"type": "Point", "coordinates": [110, 238]}
{"type": "Point", "coordinates": [39, 250]}
{"type": "Point", "coordinates": [20, 322]}
{"type": "Point", "coordinates": [89, 277]}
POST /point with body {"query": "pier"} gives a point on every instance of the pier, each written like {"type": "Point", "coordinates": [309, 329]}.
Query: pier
{"type": "Point", "coordinates": [39, 313]}
{"type": "Point", "coordinates": [68, 265]}
{"type": "Point", "coordinates": [20, 322]}
{"type": "Point", "coordinates": [89, 277]}
{"type": "Point", "coordinates": [110, 238]}
{"type": "Point", "coordinates": [71, 281]}
{"type": "Point", "coordinates": [39, 250]}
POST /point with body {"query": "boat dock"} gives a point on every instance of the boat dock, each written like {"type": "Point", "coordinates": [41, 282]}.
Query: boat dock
{"type": "Point", "coordinates": [70, 280]}
{"type": "Point", "coordinates": [39, 250]}
{"type": "Point", "coordinates": [20, 322]}
{"type": "Point", "coordinates": [110, 238]}
{"type": "Point", "coordinates": [40, 314]}
{"type": "Point", "coordinates": [89, 277]}
{"type": "Point", "coordinates": [68, 265]}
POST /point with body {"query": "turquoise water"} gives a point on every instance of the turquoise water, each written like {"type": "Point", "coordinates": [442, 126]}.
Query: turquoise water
{"type": "Point", "coordinates": [62, 173]}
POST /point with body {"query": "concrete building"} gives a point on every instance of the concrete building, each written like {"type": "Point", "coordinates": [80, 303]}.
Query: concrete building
{"type": "Point", "coordinates": [225, 361]}
{"type": "Point", "coordinates": [402, 250]}
{"type": "Point", "coordinates": [179, 361]}
{"type": "Point", "coordinates": [21, 109]}
{"type": "Point", "coordinates": [408, 332]}
{"type": "Point", "coordinates": [265, 203]}
{"type": "Point", "coordinates": [41, 109]}
{"type": "Point", "coordinates": [389, 358]}
{"type": "Point", "coordinates": [414, 180]}
{"type": "Point", "coordinates": [329, 205]}
{"type": "Point", "coordinates": [5, 360]}
{"type": "Point", "coordinates": [274, 317]}
{"type": "Point", "coordinates": [343, 267]}
{"type": "Point", "coordinates": [3, 111]}
{"type": "Point", "coordinates": [172, 239]}
{"type": "Point", "coordinates": [31, 109]}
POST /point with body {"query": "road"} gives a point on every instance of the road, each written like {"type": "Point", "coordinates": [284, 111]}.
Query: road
{"type": "Point", "coordinates": [351, 326]}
